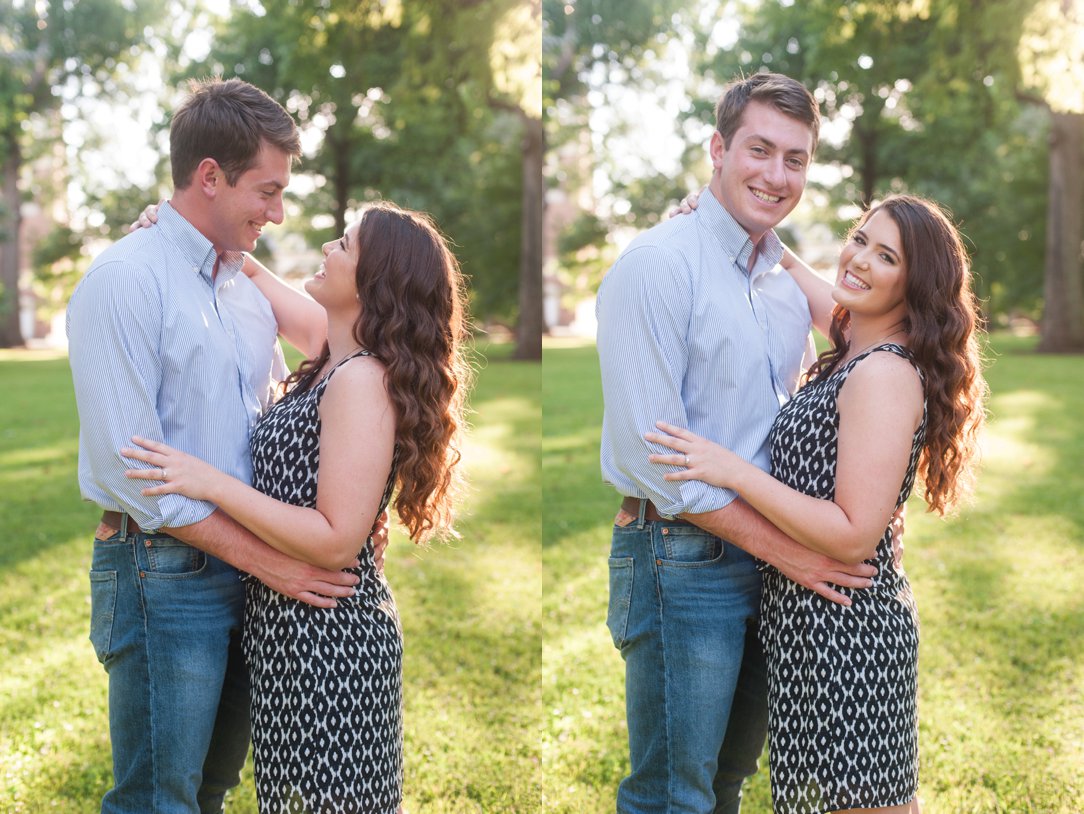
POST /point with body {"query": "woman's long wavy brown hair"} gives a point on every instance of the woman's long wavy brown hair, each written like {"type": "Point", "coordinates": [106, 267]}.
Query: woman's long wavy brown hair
{"type": "Point", "coordinates": [941, 322]}
{"type": "Point", "coordinates": [413, 318]}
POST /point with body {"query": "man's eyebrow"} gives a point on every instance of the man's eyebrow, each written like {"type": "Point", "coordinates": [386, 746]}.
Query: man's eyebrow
{"type": "Point", "coordinates": [270, 182]}
{"type": "Point", "coordinates": [767, 142]}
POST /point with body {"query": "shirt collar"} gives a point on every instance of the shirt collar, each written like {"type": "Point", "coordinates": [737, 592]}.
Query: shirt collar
{"type": "Point", "coordinates": [734, 239]}
{"type": "Point", "coordinates": [198, 252]}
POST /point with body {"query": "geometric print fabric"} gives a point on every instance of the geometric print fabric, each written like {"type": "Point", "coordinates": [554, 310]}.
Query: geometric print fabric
{"type": "Point", "coordinates": [842, 682]}
{"type": "Point", "coordinates": [326, 706]}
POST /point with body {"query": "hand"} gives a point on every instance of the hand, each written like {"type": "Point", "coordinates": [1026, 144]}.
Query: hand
{"type": "Point", "coordinates": [820, 573]}
{"type": "Point", "coordinates": [380, 539]}
{"type": "Point", "coordinates": [179, 472]}
{"type": "Point", "coordinates": [147, 218]}
{"type": "Point", "coordinates": [686, 205]}
{"type": "Point", "coordinates": [703, 459]}
{"type": "Point", "coordinates": [306, 583]}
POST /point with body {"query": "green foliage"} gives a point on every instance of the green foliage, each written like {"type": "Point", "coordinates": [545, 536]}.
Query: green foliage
{"type": "Point", "coordinates": [48, 48]}
{"type": "Point", "coordinates": [470, 611]}
{"type": "Point", "coordinates": [612, 43]}
{"type": "Point", "coordinates": [997, 590]}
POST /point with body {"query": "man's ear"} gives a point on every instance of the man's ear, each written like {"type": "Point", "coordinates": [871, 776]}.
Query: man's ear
{"type": "Point", "coordinates": [717, 149]}
{"type": "Point", "coordinates": [209, 176]}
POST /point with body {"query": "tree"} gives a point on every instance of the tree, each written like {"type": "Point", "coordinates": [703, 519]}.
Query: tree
{"type": "Point", "coordinates": [518, 89]}
{"type": "Point", "coordinates": [46, 45]}
{"type": "Point", "coordinates": [1052, 55]}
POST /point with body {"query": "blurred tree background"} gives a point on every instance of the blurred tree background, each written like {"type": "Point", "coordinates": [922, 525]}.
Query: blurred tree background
{"type": "Point", "coordinates": [433, 104]}
{"type": "Point", "coordinates": [979, 106]}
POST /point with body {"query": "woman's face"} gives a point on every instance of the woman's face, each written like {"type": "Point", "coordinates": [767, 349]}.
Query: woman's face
{"type": "Point", "coordinates": [872, 275]}
{"type": "Point", "coordinates": [334, 285]}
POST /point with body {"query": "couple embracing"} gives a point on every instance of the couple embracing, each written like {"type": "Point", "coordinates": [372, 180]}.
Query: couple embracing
{"type": "Point", "coordinates": [756, 577]}
{"type": "Point", "coordinates": [235, 582]}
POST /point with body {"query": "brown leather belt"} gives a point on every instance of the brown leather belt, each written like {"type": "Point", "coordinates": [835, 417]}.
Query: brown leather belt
{"type": "Point", "coordinates": [114, 520]}
{"type": "Point", "coordinates": [651, 514]}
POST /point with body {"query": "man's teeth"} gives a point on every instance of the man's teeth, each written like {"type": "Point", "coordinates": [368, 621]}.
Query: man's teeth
{"type": "Point", "coordinates": [764, 196]}
{"type": "Point", "coordinates": [854, 281]}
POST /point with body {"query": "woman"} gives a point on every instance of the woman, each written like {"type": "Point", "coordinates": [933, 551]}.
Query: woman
{"type": "Point", "coordinates": [898, 394]}
{"type": "Point", "coordinates": [378, 411]}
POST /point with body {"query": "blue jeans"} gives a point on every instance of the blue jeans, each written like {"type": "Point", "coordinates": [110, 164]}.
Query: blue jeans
{"type": "Point", "coordinates": [166, 623]}
{"type": "Point", "coordinates": [682, 611]}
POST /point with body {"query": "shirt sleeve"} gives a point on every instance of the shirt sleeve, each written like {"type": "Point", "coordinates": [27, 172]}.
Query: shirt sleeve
{"type": "Point", "coordinates": [644, 310]}
{"type": "Point", "coordinates": [114, 341]}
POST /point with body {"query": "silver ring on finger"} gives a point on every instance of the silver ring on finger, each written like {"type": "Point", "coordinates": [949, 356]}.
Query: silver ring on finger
{"type": "Point", "coordinates": [686, 459]}
{"type": "Point", "coordinates": [162, 469]}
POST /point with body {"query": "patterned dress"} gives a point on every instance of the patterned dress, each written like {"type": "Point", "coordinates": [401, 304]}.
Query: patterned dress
{"type": "Point", "coordinates": [326, 684]}
{"type": "Point", "coordinates": [843, 729]}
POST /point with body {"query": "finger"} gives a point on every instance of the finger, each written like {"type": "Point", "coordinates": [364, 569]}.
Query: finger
{"type": "Point", "coordinates": [146, 443]}
{"type": "Point", "coordinates": [663, 440]}
{"type": "Point", "coordinates": [316, 600]}
{"type": "Point", "coordinates": [141, 455]}
{"type": "Point", "coordinates": [824, 590]}
{"type": "Point", "coordinates": [672, 460]}
{"type": "Point", "coordinates": [334, 589]}
{"type": "Point", "coordinates": [677, 432]}
{"type": "Point", "coordinates": [142, 474]}
{"type": "Point", "coordinates": [851, 581]}
{"type": "Point", "coordinates": [687, 474]}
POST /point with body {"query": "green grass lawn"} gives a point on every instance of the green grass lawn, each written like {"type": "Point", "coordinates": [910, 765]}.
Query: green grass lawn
{"type": "Point", "coordinates": [998, 588]}
{"type": "Point", "coordinates": [471, 611]}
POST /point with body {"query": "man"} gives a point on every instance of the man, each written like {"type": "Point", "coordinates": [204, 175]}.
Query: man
{"type": "Point", "coordinates": [698, 326]}
{"type": "Point", "coordinates": [169, 341]}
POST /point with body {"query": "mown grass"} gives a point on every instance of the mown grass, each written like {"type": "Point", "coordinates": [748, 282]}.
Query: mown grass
{"type": "Point", "coordinates": [470, 611]}
{"type": "Point", "coordinates": [998, 589]}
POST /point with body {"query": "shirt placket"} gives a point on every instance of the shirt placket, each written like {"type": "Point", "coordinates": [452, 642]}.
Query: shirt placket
{"type": "Point", "coordinates": [236, 351]}
{"type": "Point", "coordinates": [761, 317]}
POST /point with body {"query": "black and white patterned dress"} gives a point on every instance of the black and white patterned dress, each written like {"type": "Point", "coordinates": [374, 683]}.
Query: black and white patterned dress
{"type": "Point", "coordinates": [326, 683]}
{"type": "Point", "coordinates": [842, 682]}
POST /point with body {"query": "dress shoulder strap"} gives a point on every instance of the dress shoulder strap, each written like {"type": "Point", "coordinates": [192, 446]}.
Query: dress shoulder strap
{"type": "Point", "coordinates": [891, 347]}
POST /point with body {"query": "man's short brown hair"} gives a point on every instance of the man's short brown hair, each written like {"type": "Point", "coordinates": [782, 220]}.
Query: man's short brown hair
{"type": "Point", "coordinates": [789, 96]}
{"type": "Point", "coordinates": [227, 120]}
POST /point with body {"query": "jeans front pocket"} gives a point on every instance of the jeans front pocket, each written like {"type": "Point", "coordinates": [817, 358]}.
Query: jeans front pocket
{"type": "Point", "coordinates": [169, 557]}
{"type": "Point", "coordinates": [617, 611]}
{"type": "Point", "coordinates": [690, 547]}
{"type": "Point", "coordinates": [103, 603]}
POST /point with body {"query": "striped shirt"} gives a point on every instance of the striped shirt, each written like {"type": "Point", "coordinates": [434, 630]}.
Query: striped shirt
{"type": "Point", "coordinates": [159, 349]}
{"type": "Point", "coordinates": [686, 335]}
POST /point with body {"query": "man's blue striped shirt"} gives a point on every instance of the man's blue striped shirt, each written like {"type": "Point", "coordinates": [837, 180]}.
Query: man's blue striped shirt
{"type": "Point", "coordinates": [162, 347]}
{"type": "Point", "coordinates": [687, 336]}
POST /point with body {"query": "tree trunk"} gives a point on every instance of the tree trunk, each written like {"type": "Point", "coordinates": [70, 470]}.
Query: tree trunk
{"type": "Point", "coordinates": [531, 322]}
{"type": "Point", "coordinates": [1062, 328]}
{"type": "Point", "coordinates": [10, 333]}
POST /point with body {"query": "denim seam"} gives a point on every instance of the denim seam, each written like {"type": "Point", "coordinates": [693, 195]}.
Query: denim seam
{"type": "Point", "coordinates": [665, 671]}
{"type": "Point", "coordinates": [146, 644]}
